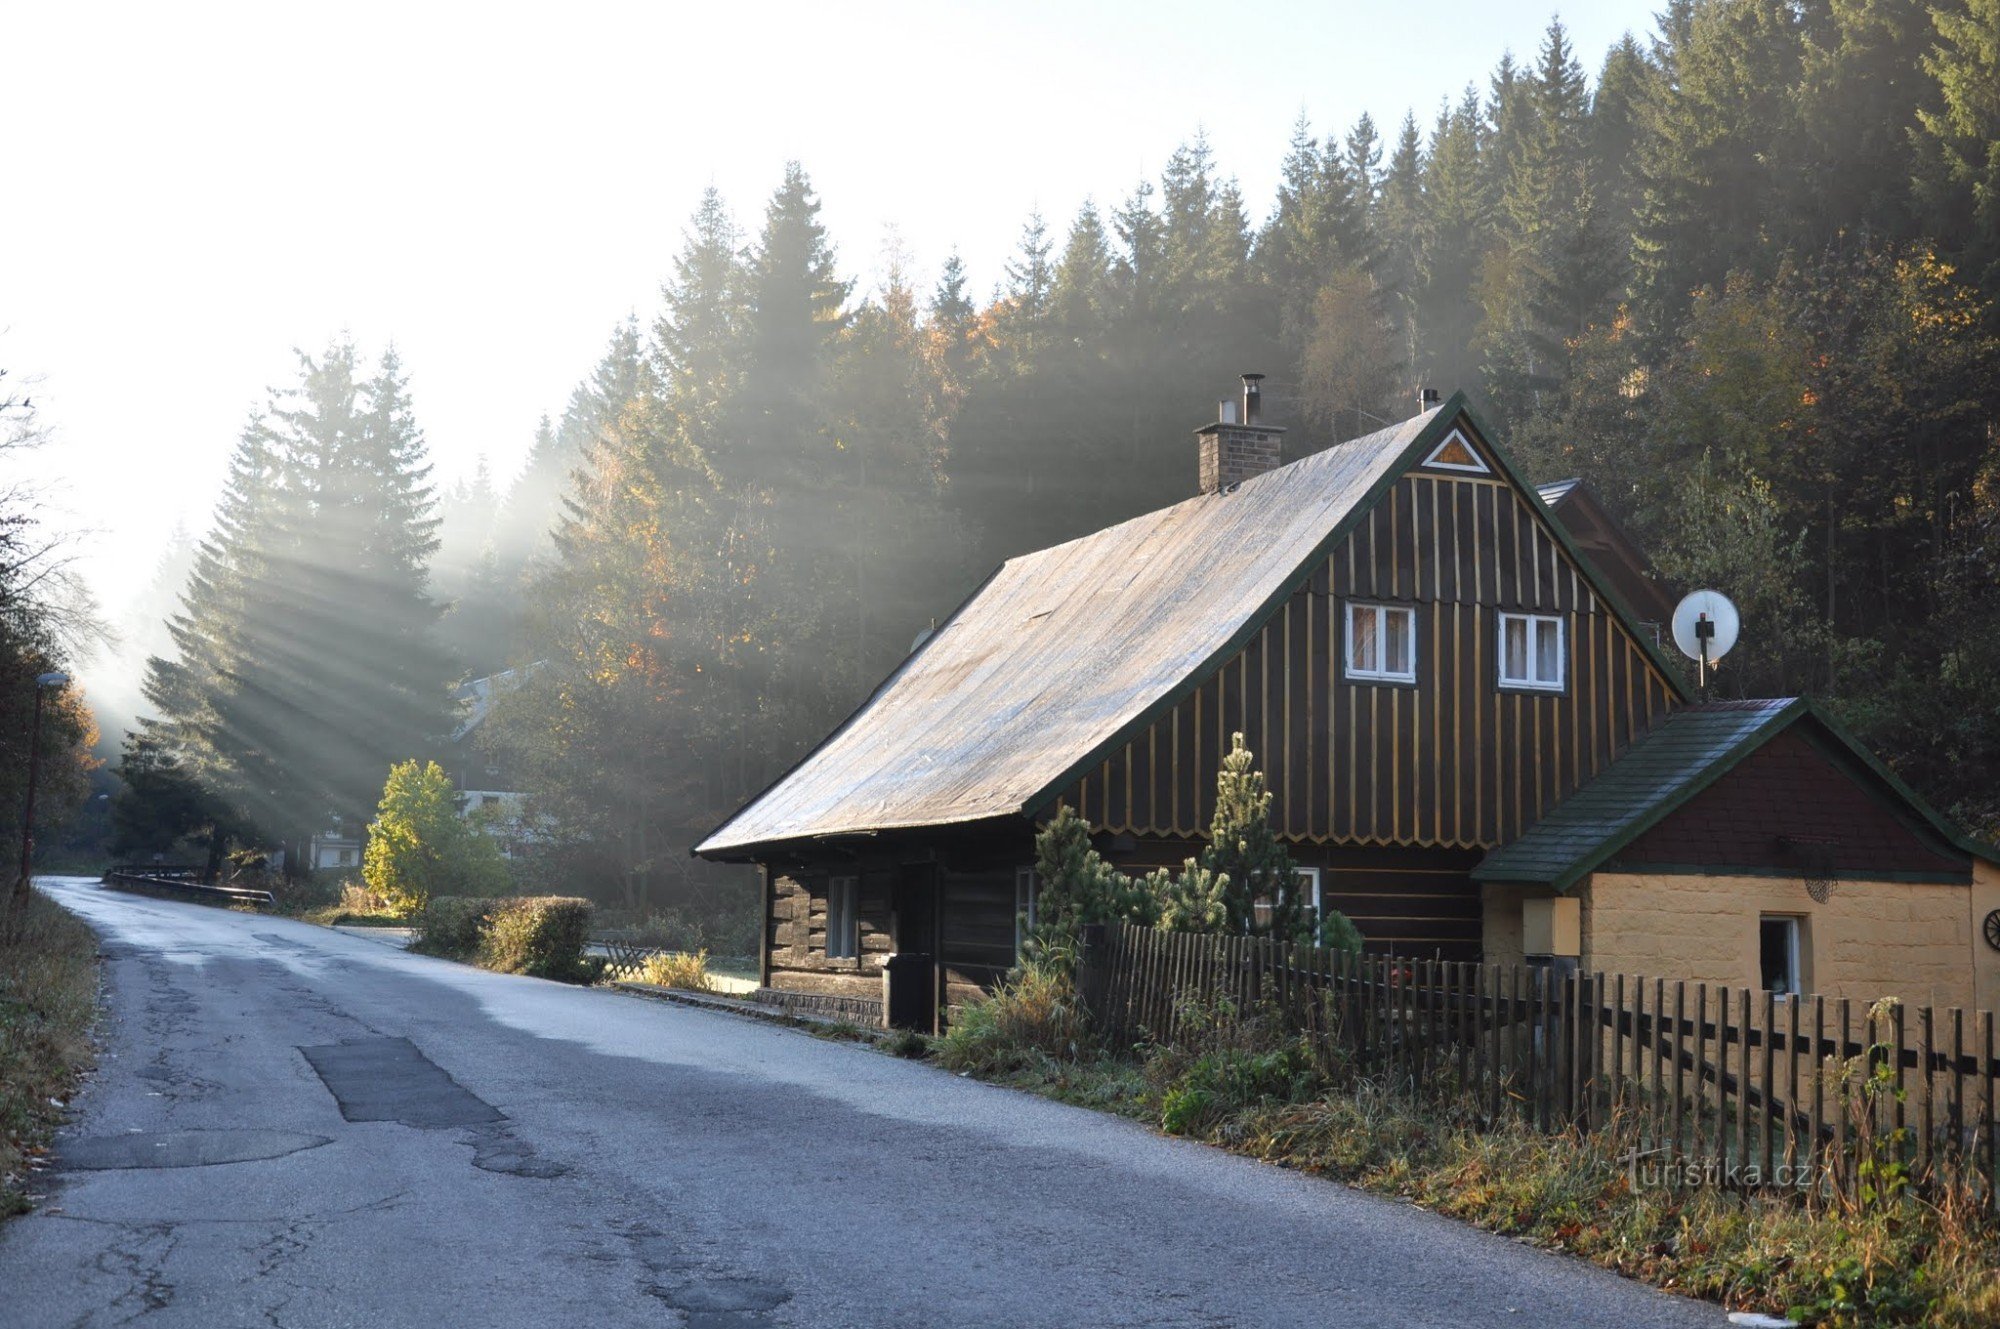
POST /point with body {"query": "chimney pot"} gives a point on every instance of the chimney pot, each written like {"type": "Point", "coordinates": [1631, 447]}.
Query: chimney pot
{"type": "Point", "coordinates": [1239, 445]}
{"type": "Point", "coordinates": [1427, 398]}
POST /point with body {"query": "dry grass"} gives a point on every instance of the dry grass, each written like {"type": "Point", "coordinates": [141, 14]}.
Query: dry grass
{"type": "Point", "coordinates": [687, 970]}
{"type": "Point", "coordinates": [48, 1001]}
{"type": "Point", "coordinates": [1032, 1019]}
{"type": "Point", "coordinates": [1909, 1255]}
{"type": "Point", "coordinates": [1822, 1261]}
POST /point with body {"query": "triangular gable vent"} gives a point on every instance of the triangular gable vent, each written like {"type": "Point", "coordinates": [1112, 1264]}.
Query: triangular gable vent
{"type": "Point", "coordinates": [1455, 454]}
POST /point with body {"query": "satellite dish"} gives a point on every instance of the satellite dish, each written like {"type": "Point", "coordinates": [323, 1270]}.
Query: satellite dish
{"type": "Point", "coordinates": [1705, 627]}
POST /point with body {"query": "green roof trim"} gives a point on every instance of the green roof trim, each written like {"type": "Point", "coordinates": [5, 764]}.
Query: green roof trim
{"type": "Point", "coordinates": [1685, 754]}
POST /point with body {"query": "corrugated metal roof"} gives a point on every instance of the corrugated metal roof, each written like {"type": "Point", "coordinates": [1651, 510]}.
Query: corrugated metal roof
{"type": "Point", "coordinates": [1684, 754]}
{"type": "Point", "coordinates": [1062, 650]}
{"type": "Point", "coordinates": [1556, 491]}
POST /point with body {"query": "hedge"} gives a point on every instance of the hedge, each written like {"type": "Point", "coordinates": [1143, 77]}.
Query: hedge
{"type": "Point", "coordinates": [540, 935]}
{"type": "Point", "coordinates": [451, 925]}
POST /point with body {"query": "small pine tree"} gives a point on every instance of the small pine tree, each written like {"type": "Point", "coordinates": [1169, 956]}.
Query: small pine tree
{"type": "Point", "coordinates": [1194, 900]}
{"type": "Point", "coordinates": [1075, 887]}
{"type": "Point", "coordinates": [419, 846]}
{"type": "Point", "coordinates": [1243, 848]}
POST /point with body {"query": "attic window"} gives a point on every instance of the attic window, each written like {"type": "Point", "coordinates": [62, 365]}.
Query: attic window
{"type": "Point", "coordinates": [1381, 643]}
{"type": "Point", "coordinates": [1455, 454]}
{"type": "Point", "coordinates": [1531, 652]}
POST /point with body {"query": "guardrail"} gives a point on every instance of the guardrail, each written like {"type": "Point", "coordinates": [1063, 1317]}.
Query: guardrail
{"type": "Point", "coordinates": [182, 883]}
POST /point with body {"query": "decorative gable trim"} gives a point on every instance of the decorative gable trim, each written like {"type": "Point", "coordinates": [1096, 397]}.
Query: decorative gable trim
{"type": "Point", "coordinates": [1456, 453]}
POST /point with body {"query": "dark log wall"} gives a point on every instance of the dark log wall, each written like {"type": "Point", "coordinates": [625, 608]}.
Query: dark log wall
{"type": "Point", "coordinates": [975, 882]}
{"type": "Point", "coordinates": [1451, 761]}
{"type": "Point", "coordinates": [1406, 900]}
{"type": "Point", "coordinates": [796, 934]}
{"type": "Point", "coordinates": [978, 927]}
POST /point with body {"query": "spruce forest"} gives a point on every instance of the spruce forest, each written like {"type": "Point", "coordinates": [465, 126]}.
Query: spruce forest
{"type": "Point", "coordinates": [1739, 275]}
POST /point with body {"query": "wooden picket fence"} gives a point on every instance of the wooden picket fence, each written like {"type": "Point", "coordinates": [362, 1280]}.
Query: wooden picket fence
{"type": "Point", "coordinates": [1735, 1087]}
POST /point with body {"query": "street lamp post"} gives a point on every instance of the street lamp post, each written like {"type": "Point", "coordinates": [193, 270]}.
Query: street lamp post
{"type": "Point", "coordinates": [42, 684]}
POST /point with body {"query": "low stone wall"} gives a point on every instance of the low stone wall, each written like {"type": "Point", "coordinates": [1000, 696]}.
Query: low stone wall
{"type": "Point", "coordinates": [855, 1010]}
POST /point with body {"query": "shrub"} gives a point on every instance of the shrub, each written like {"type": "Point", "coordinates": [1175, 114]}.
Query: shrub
{"type": "Point", "coordinates": [677, 969]}
{"type": "Point", "coordinates": [451, 926]}
{"type": "Point", "coordinates": [1219, 1064]}
{"type": "Point", "coordinates": [419, 845]}
{"type": "Point", "coordinates": [907, 1043]}
{"type": "Point", "coordinates": [1034, 1014]}
{"type": "Point", "coordinates": [539, 935]}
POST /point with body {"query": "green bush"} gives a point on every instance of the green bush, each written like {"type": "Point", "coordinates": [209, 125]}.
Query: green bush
{"type": "Point", "coordinates": [419, 845]}
{"type": "Point", "coordinates": [539, 935]}
{"type": "Point", "coordinates": [451, 926]}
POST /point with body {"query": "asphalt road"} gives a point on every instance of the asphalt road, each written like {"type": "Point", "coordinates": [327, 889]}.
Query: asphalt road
{"type": "Point", "coordinates": [294, 1127]}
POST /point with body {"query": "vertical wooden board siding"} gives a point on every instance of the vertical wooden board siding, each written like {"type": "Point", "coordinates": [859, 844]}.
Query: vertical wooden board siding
{"type": "Point", "coordinates": [1452, 761]}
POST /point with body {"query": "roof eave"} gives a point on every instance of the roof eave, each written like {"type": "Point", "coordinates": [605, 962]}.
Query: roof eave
{"type": "Point", "coordinates": [1595, 858]}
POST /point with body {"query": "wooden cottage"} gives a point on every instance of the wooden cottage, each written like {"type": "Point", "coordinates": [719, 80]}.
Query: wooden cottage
{"type": "Point", "coordinates": [1426, 658]}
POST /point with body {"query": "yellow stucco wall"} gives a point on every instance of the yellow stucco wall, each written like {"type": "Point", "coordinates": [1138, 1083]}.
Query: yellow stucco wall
{"type": "Point", "coordinates": [1501, 904]}
{"type": "Point", "coordinates": [1985, 960]}
{"type": "Point", "coordinates": [1913, 940]}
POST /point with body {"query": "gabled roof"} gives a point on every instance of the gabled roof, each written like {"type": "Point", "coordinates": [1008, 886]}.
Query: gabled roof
{"type": "Point", "coordinates": [1064, 654]}
{"type": "Point", "coordinates": [1685, 753]}
{"type": "Point", "coordinates": [1063, 648]}
{"type": "Point", "coordinates": [1609, 547]}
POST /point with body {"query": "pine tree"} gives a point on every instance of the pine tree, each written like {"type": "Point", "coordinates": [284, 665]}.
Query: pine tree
{"type": "Point", "coordinates": [1243, 848]}
{"type": "Point", "coordinates": [1958, 169]}
{"type": "Point", "coordinates": [1714, 155]}
{"type": "Point", "coordinates": [1080, 302]}
{"type": "Point", "coordinates": [306, 654]}
{"type": "Point", "coordinates": [1023, 315]}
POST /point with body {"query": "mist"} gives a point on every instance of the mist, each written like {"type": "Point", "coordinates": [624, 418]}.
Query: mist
{"type": "Point", "coordinates": [1734, 273]}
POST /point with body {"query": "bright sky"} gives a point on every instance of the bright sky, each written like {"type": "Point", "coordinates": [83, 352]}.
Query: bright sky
{"type": "Point", "coordinates": [192, 190]}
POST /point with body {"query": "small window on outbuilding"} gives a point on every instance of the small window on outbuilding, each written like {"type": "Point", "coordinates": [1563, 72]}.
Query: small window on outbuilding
{"type": "Point", "coordinates": [1778, 954]}
{"type": "Point", "coordinates": [1381, 643]}
{"type": "Point", "coordinates": [1531, 652]}
{"type": "Point", "coordinates": [841, 941]}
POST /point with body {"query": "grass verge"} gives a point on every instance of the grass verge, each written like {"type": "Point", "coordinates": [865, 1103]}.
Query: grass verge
{"type": "Point", "coordinates": [1898, 1255]}
{"type": "Point", "coordinates": [48, 1002]}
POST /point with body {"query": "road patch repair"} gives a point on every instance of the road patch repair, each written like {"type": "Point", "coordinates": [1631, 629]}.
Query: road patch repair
{"type": "Point", "coordinates": [146, 1149]}
{"type": "Point", "coordinates": [388, 1079]}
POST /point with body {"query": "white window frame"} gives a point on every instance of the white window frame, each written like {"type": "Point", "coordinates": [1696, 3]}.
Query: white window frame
{"type": "Point", "coordinates": [1310, 875]}
{"type": "Point", "coordinates": [1794, 944]}
{"type": "Point", "coordinates": [843, 941]}
{"type": "Point", "coordinates": [1025, 920]}
{"type": "Point", "coordinates": [1381, 673]}
{"type": "Point", "coordinates": [1529, 682]}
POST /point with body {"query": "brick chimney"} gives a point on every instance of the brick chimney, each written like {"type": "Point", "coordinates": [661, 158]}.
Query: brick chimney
{"type": "Point", "coordinates": [1239, 444]}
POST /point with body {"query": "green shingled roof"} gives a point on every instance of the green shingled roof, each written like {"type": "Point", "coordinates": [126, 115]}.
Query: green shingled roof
{"type": "Point", "coordinates": [1684, 754]}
